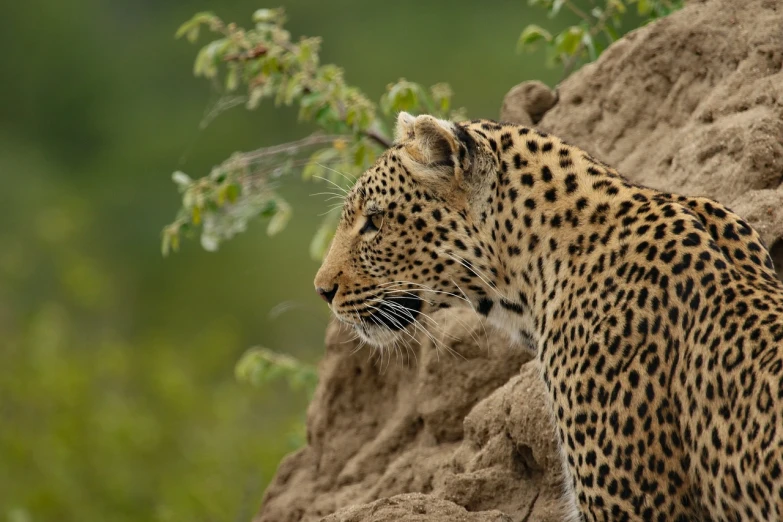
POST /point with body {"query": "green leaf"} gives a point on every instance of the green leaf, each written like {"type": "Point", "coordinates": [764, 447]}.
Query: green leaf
{"type": "Point", "coordinates": [360, 154]}
{"type": "Point", "coordinates": [441, 94]}
{"type": "Point", "coordinates": [190, 29]}
{"type": "Point", "coordinates": [351, 115]}
{"type": "Point", "coordinates": [165, 246]}
{"type": "Point", "coordinates": [251, 367]}
{"type": "Point", "coordinates": [269, 209]}
{"type": "Point", "coordinates": [209, 57]}
{"type": "Point", "coordinates": [587, 41]}
{"type": "Point", "coordinates": [643, 7]}
{"type": "Point", "coordinates": [307, 50]}
{"type": "Point", "coordinates": [569, 41]}
{"type": "Point", "coordinates": [323, 236]}
{"type": "Point", "coordinates": [292, 90]}
{"type": "Point", "coordinates": [192, 34]}
{"type": "Point", "coordinates": [259, 366]}
{"type": "Point", "coordinates": [232, 77]}
{"type": "Point", "coordinates": [310, 99]}
{"type": "Point", "coordinates": [227, 193]}
{"type": "Point", "coordinates": [256, 95]}
{"type": "Point", "coordinates": [310, 170]}
{"type": "Point", "coordinates": [270, 66]}
{"type": "Point", "coordinates": [531, 35]}
{"type": "Point", "coordinates": [233, 192]}
{"type": "Point", "coordinates": [269, 16]}
{"type": "Point", "coordinates": [325, 116]}
{"type": "Point", "coordinates": [612, 33]}
{"type": "Point", "coordinates": [617, 5]}
{"type": "Point", "coordinates": [182, 180]}
{"type": "Point", "coordinates": [280, 219]}
{"type": "Point", "coordinates": [319, 158]}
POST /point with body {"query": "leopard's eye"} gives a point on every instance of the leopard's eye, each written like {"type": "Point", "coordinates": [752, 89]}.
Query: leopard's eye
{"type": "Point", "coordinates": [372, 224]}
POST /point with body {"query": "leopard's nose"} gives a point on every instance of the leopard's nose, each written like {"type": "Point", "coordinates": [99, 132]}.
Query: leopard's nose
{"type": "Point", "coordinates": [327, 295]}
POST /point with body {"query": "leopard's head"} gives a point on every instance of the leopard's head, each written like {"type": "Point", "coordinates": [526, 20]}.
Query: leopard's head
{"type": "Point", "coordinates": [409, 240]}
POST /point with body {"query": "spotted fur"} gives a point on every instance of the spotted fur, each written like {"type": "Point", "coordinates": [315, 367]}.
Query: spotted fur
{"type": "Point", "coordinates": [656, 317]}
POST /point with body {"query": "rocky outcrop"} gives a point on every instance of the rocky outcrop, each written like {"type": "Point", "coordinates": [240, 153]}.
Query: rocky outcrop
{"type": "Point", "coordinates": [458, 415]}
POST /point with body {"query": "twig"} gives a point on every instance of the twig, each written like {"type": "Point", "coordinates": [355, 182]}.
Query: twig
{"type": "Point", "coordinates": [261, 175]}
{"type": "Point", "coordinates": [314, 139]}
{"type": "Point", "coordinates": [259, 50]}
{"type": "Point", "coordinates": [594, 30]}
{"type": "Point", "coordinates": [293, 147]}
{"type": "Point", "coordinates": [309, 84]}
{"type": "Point", "coordinates": [381, 140]}
{"type": "Point", "coordinates": [532, 505]}
{"type": "Point", "coordinates": [578, 12]}
{"type": "Point", "coordinates": [372, 135]}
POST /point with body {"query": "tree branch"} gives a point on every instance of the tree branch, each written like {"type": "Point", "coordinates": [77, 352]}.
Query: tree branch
{"type": "Point", "coordinates": [578, 12]}
{"type": "Point", "coordinates": [259, 50]}
{"type": "Point", "coordinates": [381, 140]}
{"type": "Point", "coordinates": [292, 147]}
{"type": "Point", "coordinates": [594, 30]}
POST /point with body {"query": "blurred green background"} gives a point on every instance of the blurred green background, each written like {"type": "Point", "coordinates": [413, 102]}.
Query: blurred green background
{"type": "Point", "coordinates": [117, 397]}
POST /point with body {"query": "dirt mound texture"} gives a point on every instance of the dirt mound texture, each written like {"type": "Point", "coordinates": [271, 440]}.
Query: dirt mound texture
{"type": "Point", "coordinates": [457, 427]}
{"type": "Point", "coordinates": [460, 417]}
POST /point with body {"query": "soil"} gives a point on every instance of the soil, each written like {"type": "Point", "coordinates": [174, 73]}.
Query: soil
{"type": "Point", "coordinates": [459, 429]}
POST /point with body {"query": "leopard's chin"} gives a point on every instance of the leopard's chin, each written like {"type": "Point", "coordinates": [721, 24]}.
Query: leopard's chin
{"type": "Point", "coordinates": [391, 317]}
{"type": "Point", "coordinates": [378, 336]}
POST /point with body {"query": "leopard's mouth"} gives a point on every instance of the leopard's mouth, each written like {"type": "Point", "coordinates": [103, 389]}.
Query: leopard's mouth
{"type": "Point", "coordinates": [395, 313]}
{"type": "Point", "coordinates": [389, 317]}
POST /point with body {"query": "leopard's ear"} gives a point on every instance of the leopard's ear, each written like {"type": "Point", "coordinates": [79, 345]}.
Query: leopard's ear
{"type": "Point", "coordinates": [437, 150]}
{"type": "Point", "coordinates": [432, 142]}
{"type": "Point", "coordinates": [404, 129]}
{"type": "Point", "coordinates": [436, 141]}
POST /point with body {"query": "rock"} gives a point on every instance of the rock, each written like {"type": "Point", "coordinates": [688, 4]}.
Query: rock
{"type": "Point", "coordinates": [764, 210]}
{"type": "Point", "coordinates": [414, 507]}
{"type": "Point", "coordinates": [526, 103]}
{"type": "Point", "coordinates": [383, 425]}
{"type": "Point", "coordinates": [509, 459]}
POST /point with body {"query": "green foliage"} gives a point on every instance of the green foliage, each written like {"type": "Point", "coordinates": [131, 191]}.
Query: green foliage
{"type": "Point", "coordinates": [260, 366]}
{"type": "Point", "coordinates": [112, 443]}
{"type": "Point", "coordinates": [269, 65]}
{"type": "Point", "coordinates": [598, 28]}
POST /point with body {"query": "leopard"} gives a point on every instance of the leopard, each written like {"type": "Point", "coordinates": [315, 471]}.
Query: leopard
{"type": "Point", "coordinates": [656, 318]}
